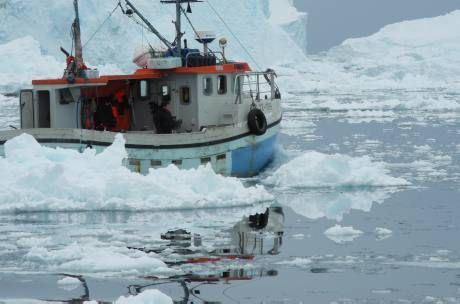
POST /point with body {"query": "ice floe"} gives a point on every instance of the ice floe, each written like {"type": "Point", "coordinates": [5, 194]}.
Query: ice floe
{"type": "Point", "coordinates": [94, 257]}
{"type": "Point", "coordinates": [383, 233]}
{"type": "Point", "coordinates": [38, 178]}
{"type": "Point", "coordinates": [69, 283]}
{"type": "Point", "coordinates": [341, 234]}
{"type": "Point", "coordinates": [333, 204]}
{"type": "Point", "coordinates": [297, 262]}
{"type": "Point", "coordinates": [318, 170]}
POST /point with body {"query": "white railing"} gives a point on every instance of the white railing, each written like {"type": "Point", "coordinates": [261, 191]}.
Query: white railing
{"type": "Point", "coordinates": [257, 86]}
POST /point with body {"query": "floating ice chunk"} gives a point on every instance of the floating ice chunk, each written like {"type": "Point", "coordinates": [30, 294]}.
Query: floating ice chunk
{"type": "Point", "coordinates": [297, 262]}
{"type": "Point", "coordinates": [299, 236]}
{"type": "Point", "coordinates": [383, 231]}
{"type": "Point", "coordinates": [318, 170]}
{"type": "Point", "coordinates": [151, 296]}
{"type": "Point", "coordinates": [37, 178]}
{"type": "Point", "coordinates": [69, 283]}
{"type": "Point", "coordinates": [382, 291]}
{"type": "Point", "coordinates": [94, 257]}
{"type": "Point", "coordinates": [341, 234]}
{"type": "Point", "coordinates": [333, 205]}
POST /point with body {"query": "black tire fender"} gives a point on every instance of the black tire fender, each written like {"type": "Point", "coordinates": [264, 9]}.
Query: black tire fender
{"type": "Point", "coordinates": [257, 122]}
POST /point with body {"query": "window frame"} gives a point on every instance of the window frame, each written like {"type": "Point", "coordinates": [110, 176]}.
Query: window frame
{"type": "Point", "coordinates": [208, 87]}
{"type": "Point", "coordinates": [222, 79]}
{"type": "Point", "coordinates": [165, 98]}
{"type": "Point", "coordinates": [182, 95]}
{"type": "Point", "coordinates": [147, 89]}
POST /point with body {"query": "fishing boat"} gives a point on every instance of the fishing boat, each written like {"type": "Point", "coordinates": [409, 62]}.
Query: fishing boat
{"type": "Point", "coordinates": [182, 106]}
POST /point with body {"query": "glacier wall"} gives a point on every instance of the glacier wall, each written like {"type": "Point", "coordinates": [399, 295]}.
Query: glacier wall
{"type": "Point", "coordinates": [284, 14]}
{"type": "Point", "coordinates": [48, 22]}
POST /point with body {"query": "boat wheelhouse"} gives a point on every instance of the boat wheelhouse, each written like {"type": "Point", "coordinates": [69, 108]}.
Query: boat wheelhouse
{"type": "Point", "coordinates": [182, 106]}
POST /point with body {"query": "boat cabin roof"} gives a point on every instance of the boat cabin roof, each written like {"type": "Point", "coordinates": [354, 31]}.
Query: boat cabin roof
{"type": "Point", "coordinates": [142, 74]}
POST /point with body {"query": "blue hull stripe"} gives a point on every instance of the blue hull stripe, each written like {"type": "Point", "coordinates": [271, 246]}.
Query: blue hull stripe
{"type": "Point", "coordinates": [249, 161]}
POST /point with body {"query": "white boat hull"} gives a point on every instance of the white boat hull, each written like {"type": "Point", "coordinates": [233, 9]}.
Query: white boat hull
{"type": "Point", "coordinates": [231, 151]}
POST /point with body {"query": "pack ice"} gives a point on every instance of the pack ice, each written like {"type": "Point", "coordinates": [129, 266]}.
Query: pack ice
{"type": "Point", "coordinates": [37, 178]}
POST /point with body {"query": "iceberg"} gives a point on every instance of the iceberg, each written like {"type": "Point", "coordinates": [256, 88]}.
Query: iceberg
{"type": "Point", "coordinates": [420, 53]}
{"type": "Point", "coordinates": [31, 33]}
{"type": "Point", "coordinates": [283, 13]}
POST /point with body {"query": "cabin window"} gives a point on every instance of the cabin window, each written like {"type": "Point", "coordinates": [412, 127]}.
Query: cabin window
{"type": "Point", "coordinates": [205, 160]}
{"type": "Point", "coordinates": [65, 96]}
{"type": "Point", "coordinates": [135, 165]}
{"type": "Point", "coordinates": [144, 91]}
{"type": "Point", "coordinates": [222, 84]}
{"type": "Point", "coordinates": [155, 163]}
{"type": "Point", "coordinates": [177, 162]}
{"type": "Point", "coordinates": [185, 95]}
{"type": "Point", "coordinates": [221, 157]}
{"type": "Point", "coordinates": [207, 86]}
{"type": "Point", "coordinates": [165, 93]}
{"type": "Point", "coordinates": [44, 113]}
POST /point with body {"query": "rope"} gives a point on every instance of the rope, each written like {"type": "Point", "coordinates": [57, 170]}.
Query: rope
{"type": "Point", "coordinates": [101, 25]}
{"type": "Point", "coordinates": [188, 19]}
{"type": "Point", "coordinates": [233, 34]}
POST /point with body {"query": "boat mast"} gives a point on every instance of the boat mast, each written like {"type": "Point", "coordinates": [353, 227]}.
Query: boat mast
{"type": "Point", "coordinates": [77, 38]}
{"type": "Point", "coordinates": [179, 11]}
{"type": "Point", "coordinates": [178, 29]}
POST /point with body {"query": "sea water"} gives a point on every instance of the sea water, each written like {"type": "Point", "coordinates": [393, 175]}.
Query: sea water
{"type": "Point", "coordinates": [368, 184]}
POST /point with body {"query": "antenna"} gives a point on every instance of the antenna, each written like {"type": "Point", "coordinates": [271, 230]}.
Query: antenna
{"type": "Point", "coordinates": [205, 38]}
{"type": "Point", "coordinates": [179, 33]}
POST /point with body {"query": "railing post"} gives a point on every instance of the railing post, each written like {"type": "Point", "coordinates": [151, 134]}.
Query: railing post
{"type": "Point", "coordinates": [258, 88]}
{"type": "Point", "coordinates": [272, 85]}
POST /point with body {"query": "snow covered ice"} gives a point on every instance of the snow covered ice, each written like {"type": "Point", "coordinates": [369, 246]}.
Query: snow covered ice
{"type": "Point", "coordinates": [317, 170]}
{"type": "Point", "coordinates": [37, 178]}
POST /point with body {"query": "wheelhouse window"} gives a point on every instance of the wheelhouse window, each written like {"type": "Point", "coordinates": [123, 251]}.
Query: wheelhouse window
{"type": "Point", "coordinates": [207, 86]}
{"type": "Point", "coordinates": [185, 95]}
{"type": "Point", "coordinates": [165, 93]}
{"type": "Point", "coordinates": [222, 84]}
{"type": "Point", "coordinates": [144, 91]}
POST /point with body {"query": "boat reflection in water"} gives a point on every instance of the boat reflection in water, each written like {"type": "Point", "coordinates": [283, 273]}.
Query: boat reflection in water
{"type": "Point", "coordinates": [207, 272]}
{"type": "Point", "coordinates": [255, 235]}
